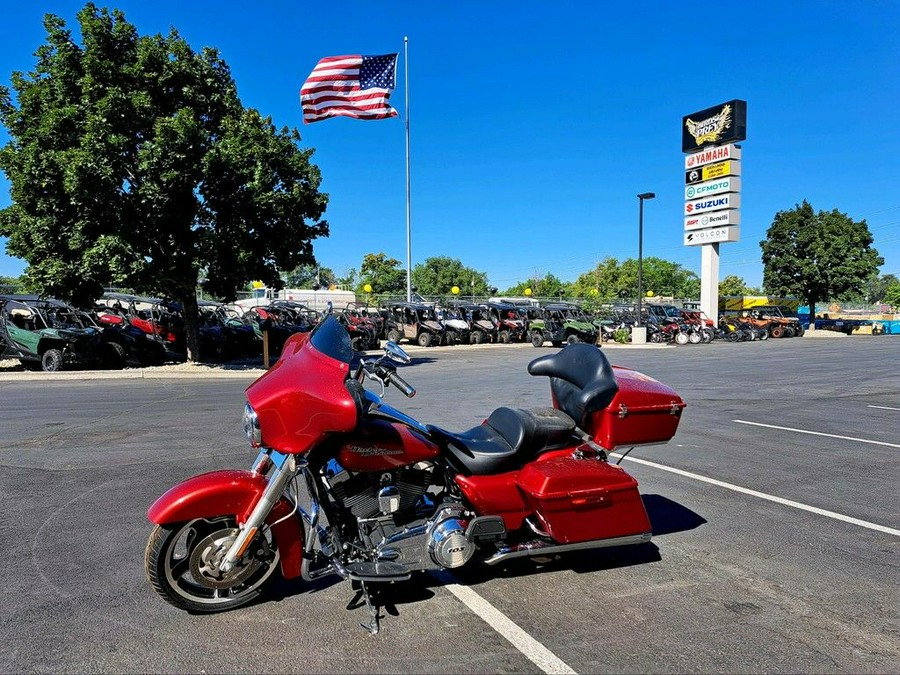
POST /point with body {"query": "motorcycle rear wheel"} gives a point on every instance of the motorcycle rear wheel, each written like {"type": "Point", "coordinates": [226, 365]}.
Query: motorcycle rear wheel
{"type": "Point", "coordinates": [179, 562]}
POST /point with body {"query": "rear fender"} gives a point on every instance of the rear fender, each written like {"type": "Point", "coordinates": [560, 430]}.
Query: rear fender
{"type": "Point", "coordinates": [230, 492]}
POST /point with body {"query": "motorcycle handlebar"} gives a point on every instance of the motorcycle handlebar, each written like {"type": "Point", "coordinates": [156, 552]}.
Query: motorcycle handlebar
{"type": "Point", "coordinates": [393, 378]}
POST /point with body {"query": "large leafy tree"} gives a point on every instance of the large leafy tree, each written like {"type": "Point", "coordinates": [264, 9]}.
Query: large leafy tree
{"type": "Point", "coordinates": [873, 291]}
{"type": "Point", "coordinates": [382, 273]}
{"type": "Point", "coordinates": [602, 282]}
{"type": "Point", "coordinates": [11, 285]}
{"type": "Point", "coordinates": [733, 285]}
{"type": "Point", "coordinates": [133, 162]}
{"type": "Point", "coordinates": [614, 280]}
{"type": "Point", "coordinates": [892, 295]}
{"type": "Point", "coordinates": [438, 275]}
{"type": "Point", "coordinates": [310, 276]}
{"type": "Point", "coordinates": [817, 256]}
{"type": "Point", "coordinates": [549, 286]}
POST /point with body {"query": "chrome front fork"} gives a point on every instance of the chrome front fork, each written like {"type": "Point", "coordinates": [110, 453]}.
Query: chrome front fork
{"type": "Point", "coordinates": [285, 470]}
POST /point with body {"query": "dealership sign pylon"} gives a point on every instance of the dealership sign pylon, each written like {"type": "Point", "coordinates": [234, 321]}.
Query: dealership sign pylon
{"type": "Point", "coordinates": [712, 192]}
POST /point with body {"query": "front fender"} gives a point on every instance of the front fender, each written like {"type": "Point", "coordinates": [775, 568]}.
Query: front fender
{"type": "Point", "coordinates": [231, 492]}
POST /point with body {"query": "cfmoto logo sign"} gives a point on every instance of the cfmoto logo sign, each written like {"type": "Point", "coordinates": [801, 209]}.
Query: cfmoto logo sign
{"type": "Point", "coordinates": [690, 192]}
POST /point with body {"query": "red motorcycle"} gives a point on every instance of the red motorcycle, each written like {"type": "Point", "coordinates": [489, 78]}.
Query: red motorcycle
{"type": "Point", "coordinates": [399, 496]}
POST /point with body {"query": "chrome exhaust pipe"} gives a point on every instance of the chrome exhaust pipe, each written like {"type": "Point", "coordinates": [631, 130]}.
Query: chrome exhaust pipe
{"type": "Point", "coordinates": [542, 548]}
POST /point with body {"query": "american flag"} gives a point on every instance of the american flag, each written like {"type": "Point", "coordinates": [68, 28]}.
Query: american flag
{"type": "Point", "coordinates": [350, 86]}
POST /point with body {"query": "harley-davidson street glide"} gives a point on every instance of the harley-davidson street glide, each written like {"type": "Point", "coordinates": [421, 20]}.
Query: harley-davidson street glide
{"type": "Point", "coordinates": [399, 496]}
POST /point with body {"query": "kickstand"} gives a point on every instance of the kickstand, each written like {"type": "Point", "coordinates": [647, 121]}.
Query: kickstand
{"type": "Point", "coordinates": [372, 626]}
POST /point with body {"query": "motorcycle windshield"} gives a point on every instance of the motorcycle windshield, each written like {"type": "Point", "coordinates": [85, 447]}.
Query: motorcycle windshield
{"type": "Point", "coordinates": [302, 398]}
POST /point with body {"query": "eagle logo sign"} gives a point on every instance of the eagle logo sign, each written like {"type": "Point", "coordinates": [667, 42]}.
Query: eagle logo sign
{"type": "Point", "coordinates": [710, 129]}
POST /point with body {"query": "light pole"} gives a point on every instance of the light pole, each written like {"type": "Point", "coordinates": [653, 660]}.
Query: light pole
{"type": "Point", "coordinates": [641, 198]}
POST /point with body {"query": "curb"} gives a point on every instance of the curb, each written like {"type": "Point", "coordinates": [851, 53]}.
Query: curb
{"type": "Point", "coordinates": [135, 374]}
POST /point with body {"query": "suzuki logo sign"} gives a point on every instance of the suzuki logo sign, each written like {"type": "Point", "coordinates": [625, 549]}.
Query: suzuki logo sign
{"type": "Point", "coordinates": [716, 203]}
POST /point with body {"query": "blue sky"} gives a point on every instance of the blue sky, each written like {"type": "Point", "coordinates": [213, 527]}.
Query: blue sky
{"type": "Point", "coordinates": [534, 125]}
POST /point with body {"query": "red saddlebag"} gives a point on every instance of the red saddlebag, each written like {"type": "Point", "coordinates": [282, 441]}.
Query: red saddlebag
{"type": "Point", "coordinates": [583, 499]}
{"type": "Point", "coordinates": [643, 412]}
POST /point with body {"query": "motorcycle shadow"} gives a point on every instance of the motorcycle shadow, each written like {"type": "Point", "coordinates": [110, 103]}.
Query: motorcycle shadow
{"type": "Point", "coordinates": [666, 517]}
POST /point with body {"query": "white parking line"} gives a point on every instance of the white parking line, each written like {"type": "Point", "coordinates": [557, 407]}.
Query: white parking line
{"type": "Point", "coordinates": [882, 407]}
{"type": "Point", "coordinates": [767, 497]}
{"type": "Point", "coordinates": [537, 653]}
{"type": "Point", "coordinates": [819, 433]}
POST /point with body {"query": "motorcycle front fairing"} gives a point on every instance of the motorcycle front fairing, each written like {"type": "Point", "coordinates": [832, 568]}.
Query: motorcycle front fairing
{"type": "Point", "coordinates": [303, 397]}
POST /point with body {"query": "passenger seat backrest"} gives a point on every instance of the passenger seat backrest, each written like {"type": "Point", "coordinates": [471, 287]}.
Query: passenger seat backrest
{"type": "Point", "coordinates": [581, 379]}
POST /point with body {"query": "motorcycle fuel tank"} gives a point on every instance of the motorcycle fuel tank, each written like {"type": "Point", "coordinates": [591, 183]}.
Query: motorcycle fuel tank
{"type": "Point", "coordinates": [378, 445]}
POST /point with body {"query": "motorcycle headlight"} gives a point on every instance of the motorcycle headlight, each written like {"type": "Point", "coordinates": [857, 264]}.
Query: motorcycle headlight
{"type": "Point", "coordinates": [251, 426]}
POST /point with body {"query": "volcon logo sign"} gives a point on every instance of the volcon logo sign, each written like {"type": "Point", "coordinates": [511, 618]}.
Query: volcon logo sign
{"type": "Point", "coordinates": [712, 235]}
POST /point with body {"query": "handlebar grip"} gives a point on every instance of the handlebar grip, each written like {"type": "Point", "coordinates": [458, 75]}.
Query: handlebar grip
{"type": "Point", "coordinates": [401, 384]}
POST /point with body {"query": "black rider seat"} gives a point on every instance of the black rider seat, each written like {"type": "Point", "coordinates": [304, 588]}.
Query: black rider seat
{"type": "Point", "coordinates": [508, 439]}
{"type": "Point", "coordinates": [582, 382]}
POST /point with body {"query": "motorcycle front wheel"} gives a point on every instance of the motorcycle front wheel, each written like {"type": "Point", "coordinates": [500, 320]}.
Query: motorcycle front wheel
{"type": "Point", "coordinates": [181, 565]}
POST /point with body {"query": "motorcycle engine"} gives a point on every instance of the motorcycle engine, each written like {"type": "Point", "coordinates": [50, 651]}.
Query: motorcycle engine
{"type": "Point", "coordinates": [369, 495]}
{"type": "Point", "coordinates": [405, 517]}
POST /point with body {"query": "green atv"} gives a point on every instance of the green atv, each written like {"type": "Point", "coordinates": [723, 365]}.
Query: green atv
{"type": "Point", "coordinates": [41, 334]}
{"type": "Point", "coordinates": [562, 323]}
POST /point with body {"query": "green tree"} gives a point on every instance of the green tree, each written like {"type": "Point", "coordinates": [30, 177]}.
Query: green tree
{"type": "Point", "coordinates": [664, 277]}
{"type": "Point", "coordinates": [733, 285]}
{"type": "Point", "coordinates": [11, 285]}
{"type": "Point", "coordinates": [309, 276]}
{"type": "Point", "coordinates": [549, 286]}
{"type": "Point", "coordinates": [437, 275]}
{"type": "Point", "coordinates": [384, 275]}
{"type": "Point", "coordinates": [872, 291]}
{"type": "Point", "coordinates": [348, 279]}
{"type": "Point", "coordinates": [604, 279]}
{"type": "Point", "coordinates": [817, 256]}
{"type": "Point", "coordinates": [892, 296]}
{"type": "Point", "coordinates": [133, 162]}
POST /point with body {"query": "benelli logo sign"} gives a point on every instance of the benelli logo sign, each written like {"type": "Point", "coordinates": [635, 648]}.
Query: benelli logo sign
{"type": "Point", "coordinates": [729, 201]}
{"type": "Point", "coordinates": [373, 451]}
{"type": "Point", "coordinates": [713, 219]}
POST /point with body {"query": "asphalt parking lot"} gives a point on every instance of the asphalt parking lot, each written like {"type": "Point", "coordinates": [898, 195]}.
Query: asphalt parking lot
{"type": "Point", "coordinates": [775, 511]}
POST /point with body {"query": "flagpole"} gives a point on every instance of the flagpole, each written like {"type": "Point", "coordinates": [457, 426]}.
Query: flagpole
{"type": "Point", "coordinates": [408, 246]}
